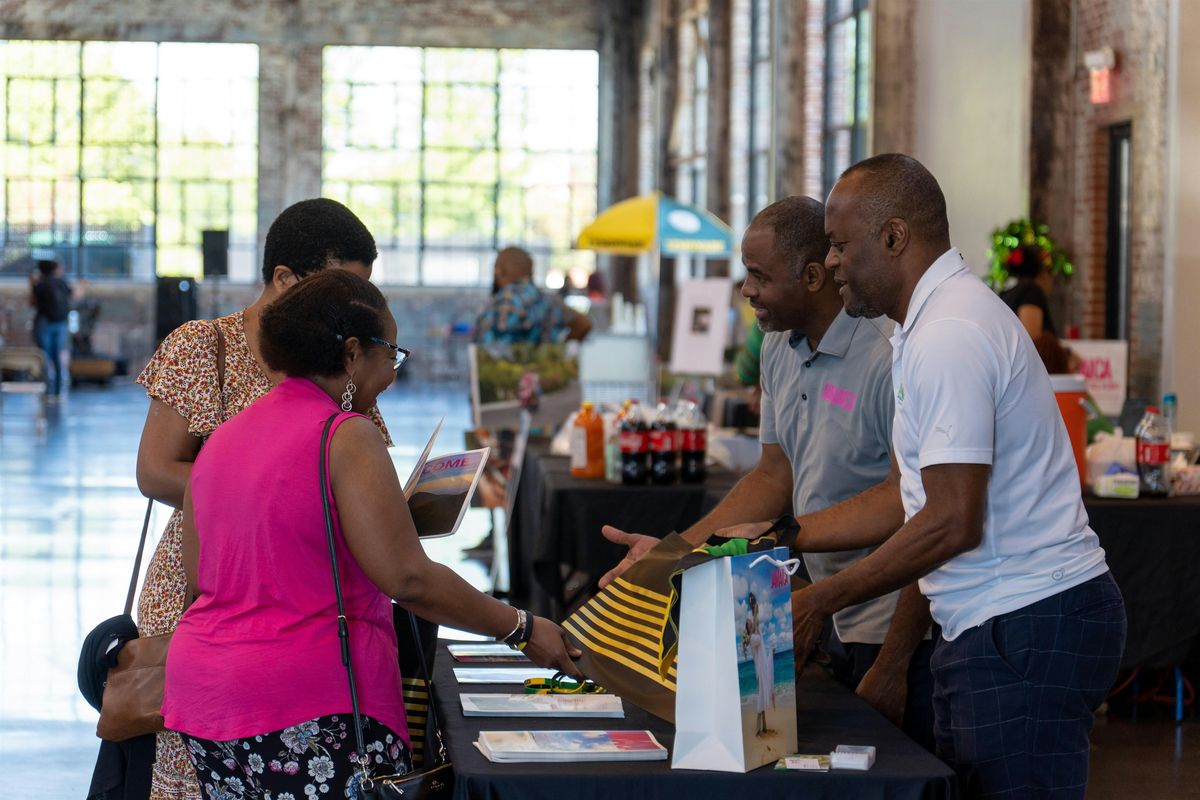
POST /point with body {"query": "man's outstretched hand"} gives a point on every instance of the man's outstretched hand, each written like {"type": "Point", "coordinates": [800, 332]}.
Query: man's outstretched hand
{"type": "Point", "coordinates": [638, 544]}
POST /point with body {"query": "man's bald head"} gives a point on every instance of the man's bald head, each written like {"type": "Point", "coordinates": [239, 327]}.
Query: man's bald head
{"type": "Point", "coordinates": [513, 265]}
{"type": "Point", "coordinates": [894, 185]}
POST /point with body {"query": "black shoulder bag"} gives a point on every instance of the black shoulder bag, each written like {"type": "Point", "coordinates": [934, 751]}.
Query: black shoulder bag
{"type": "Point", "coordinates": [436, 782]}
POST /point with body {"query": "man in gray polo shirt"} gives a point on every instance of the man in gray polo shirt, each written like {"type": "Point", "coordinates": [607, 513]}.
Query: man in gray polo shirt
{"type": "Point", "coordinates": [826, 426]}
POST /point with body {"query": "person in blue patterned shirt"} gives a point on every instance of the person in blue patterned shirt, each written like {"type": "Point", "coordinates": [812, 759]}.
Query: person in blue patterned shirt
{"type": "Point", "coordinates": [520, 312]}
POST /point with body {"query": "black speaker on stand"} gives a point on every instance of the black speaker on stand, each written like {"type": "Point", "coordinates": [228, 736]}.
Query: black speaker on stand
{"type": "Point", "coordinates": [175, 304]}
{"type": "Point", "coordinates": [214, 247]}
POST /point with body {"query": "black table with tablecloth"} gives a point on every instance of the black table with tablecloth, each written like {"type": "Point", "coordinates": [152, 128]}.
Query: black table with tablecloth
{"type": "Point", "coordinates": [1153, 550]}
{"type": "Point", "coordinates": [828, 715]}
{"type": "Point", "coordinates": [556, 552]}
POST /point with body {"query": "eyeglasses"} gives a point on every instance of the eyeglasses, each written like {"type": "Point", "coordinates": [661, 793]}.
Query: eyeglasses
{"type": "Point", "coordinates": [399, 354]}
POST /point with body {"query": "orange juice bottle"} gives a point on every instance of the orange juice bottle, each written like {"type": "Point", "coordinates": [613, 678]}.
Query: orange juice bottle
{"type": "Point", "coordinates": [587, 444]}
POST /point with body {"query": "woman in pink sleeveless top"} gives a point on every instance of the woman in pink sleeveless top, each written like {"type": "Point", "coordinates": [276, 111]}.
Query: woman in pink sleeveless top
{"type": "Point", "coordinates": [255, 682]}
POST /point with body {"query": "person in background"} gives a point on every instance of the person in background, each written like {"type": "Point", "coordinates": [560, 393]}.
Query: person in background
{"type": "Point", "coordinates": [50, 296]}
{"type": "Point", "coordinates": [746, 364]}
{"type": "Point", "coordinates": [519, 312]}
{"type": "Point", "coordinates": [191, 395]}
{"type": "Point", "coordinates": [1030, 301]}
{"type": "Point", "coordinates": [254, 678]}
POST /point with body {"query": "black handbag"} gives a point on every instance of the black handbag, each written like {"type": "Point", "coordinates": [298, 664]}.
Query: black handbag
{"type": "Point", "coordinates": [434, 782]}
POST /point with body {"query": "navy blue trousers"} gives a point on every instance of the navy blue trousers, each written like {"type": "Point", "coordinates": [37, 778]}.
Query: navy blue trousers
{"type": "Point", "coordinates": [1014, 698]}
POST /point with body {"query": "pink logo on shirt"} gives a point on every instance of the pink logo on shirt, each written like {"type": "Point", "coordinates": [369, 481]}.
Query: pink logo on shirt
{"type": "Point", "coordinates": [842, 398]}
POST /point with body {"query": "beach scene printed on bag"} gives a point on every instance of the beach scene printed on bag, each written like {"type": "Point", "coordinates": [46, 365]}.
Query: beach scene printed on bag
{"type": "Point", "coordinates": [766, 669]}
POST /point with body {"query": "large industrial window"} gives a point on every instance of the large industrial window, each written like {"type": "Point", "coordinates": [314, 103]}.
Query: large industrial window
{"type": "Point", "coordinates": [448, 155]}
{"type": "Point", "coordinates": [752, 109]}
{"type": "Point", "coordinates": [117, 155]}
{"type": "Point", "coordinates": [689, 147]}
{"type": "Point", "coordinates": [847, 87]}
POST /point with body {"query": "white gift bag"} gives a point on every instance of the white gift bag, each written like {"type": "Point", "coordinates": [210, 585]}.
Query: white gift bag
{"type": "Point", "coordinates": [735, 702]}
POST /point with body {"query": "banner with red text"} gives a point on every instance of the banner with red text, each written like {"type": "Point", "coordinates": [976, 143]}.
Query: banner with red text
{"type": "Point", "coordinates": [1104, 364]}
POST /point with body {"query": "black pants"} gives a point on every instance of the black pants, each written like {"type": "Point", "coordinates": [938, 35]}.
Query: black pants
{"type": "Point", "coordinates": [310, 760]}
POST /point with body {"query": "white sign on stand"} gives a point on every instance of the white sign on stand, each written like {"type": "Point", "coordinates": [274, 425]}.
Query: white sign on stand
{"type": "Point", "coordinates": [701, 327]}
{"type": "Point", "coordinates": [1104, 364]}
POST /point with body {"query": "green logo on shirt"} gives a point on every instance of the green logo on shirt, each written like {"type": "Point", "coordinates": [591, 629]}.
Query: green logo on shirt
{"type": "Point", "coordinates": [900, 394]}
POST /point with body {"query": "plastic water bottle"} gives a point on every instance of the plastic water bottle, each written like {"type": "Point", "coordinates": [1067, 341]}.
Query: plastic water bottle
{"type": "Point", "coordinates": [1153, 453]}
{"type": "Point", "coordinates": [1170, 411]}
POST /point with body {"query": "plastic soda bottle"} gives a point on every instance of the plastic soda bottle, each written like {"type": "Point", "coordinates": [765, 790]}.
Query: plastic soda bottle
{"type": "Point", "coordinates": [1153, 453]}
{"type": "Point", "coordinates": [587, 444]}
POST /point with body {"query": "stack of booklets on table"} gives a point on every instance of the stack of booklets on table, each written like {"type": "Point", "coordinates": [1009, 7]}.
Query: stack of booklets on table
{"type": "Point", "coordinates": [486, 653]}
{"type": "Point", "coordinates": [569, 746]}
{"type": "Point", "coordinates": [542, 705]}
{"type": "Point", "coordinates": [501, 674]}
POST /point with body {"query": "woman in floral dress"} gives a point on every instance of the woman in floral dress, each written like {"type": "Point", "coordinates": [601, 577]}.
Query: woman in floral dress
{"type": "Point", "coordinates": [188, 402]}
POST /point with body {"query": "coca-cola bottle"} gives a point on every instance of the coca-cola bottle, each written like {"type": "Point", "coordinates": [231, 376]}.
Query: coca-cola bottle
{"type": "Point", "coordinates": [664, 446]}
{"type": "Point", "coordinates": [635, 446]}
{"type": "Point", "coordinates": [1153, 453]}
{"type": "Point", "coordinates": [693, 434]}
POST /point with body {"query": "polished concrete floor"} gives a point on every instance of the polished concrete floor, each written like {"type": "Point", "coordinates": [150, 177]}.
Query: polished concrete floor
{"type": "Point", "coordinates": [70, 514]}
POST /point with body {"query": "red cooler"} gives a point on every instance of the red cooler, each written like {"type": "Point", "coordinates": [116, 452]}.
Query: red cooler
{"type": "Point", "coordinates": [1071, 391]}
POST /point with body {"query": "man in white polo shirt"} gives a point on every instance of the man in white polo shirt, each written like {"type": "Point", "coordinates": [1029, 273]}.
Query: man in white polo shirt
{"type": "Point", "coordinates": [1033, 625]}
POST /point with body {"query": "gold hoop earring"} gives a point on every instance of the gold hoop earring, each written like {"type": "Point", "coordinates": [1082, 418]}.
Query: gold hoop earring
{"type": "Point", "coordinates": [348, 395]}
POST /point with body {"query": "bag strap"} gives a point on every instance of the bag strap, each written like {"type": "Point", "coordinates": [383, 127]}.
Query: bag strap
{"type": "Point", "coordinates": [137, 562]}
{"type": "Point", "coordinates": [220, 371]}
{"type": "Point", "coordinates": [343, 629]}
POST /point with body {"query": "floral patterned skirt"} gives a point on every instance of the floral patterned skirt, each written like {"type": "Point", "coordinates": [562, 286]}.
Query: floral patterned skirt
{"type": "Point", "coordinates": [313, 759]}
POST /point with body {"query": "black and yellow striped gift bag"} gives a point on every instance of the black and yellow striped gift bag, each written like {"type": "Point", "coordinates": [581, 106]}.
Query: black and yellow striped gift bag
{"type": "Point", "coordinates": [620, 631]}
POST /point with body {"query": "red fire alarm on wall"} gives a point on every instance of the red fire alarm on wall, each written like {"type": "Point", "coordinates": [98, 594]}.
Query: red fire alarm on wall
{"type": "Point", "coordinates": [1100, 65]}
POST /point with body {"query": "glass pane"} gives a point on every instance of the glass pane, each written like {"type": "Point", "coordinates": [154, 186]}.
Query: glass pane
{"type": "Point", "coordinates": [396, 265]}
{"type": "Point", "coordinates": [862, 93]}
{"type": "Point", "coordinates": [123, 210]}
{"type": "Point", "coordinates": [457, 267]}
{"type": "Point", "coordinates": [460, 166]}
{"type": "Point", "coordinates": [118, 111]}
{"type": "Point", "coordinates": [462, 116]}
{"type": "Point", "coordinates": [129, 60]}
{"type": "Point", "coordinates": [445, 65]}
{"type": "Point", "coordinates": [458, 214]}
{"type": "Point", "coordinates": [40, 59]}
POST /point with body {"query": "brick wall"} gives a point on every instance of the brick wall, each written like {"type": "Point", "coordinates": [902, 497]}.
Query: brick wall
{"type": "Point", "coordinates": [435, 23]}
{"type": "Point", "coordinates": [1069, 160]}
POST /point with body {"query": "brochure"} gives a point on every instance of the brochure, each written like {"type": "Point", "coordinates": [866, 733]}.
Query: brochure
{"type": "Point", "coordinates": [410, 485]}
{"type": "Point", "coordinates": [440, 498]}
{"type": "Point", "coordinates": [542, 705]}
{"type": "Point", "coordinates": [514, 746]}
{"type": "Point", "coordinates": [500, 674]}
{"type": "Point", "coordinates": [487, 653]}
